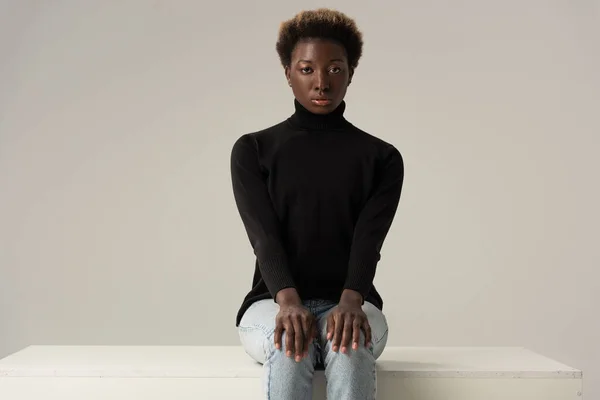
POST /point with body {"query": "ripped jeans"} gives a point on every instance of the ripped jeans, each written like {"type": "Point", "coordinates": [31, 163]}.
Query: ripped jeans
{"type": "Point", "coordinates": [350, 376]}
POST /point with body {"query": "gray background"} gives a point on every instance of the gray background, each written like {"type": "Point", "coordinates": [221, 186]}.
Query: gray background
{"type": "Point", "coordinates": [117, 220]}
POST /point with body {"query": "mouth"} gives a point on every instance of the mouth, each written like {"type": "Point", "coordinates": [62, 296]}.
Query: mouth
{"type": "Point", "coordinates": [321, 102]}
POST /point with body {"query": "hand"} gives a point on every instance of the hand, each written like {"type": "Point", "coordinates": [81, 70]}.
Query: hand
{"type": "Point", "coordinates": [299, 324]}
{"type": "Point", "coordinates": [344, 324]}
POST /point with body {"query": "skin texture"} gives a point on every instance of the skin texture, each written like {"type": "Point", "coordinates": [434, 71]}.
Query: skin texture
{"type": "Point", "coordinates": [298, 323]}
{"type": "Point", "coordinates": [319, 69]}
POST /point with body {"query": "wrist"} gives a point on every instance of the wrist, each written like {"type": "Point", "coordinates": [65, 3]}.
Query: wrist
{"type": "Point", "coordinates": [351, 297]}
{"type": "Point", "coordinates": [288, 297]}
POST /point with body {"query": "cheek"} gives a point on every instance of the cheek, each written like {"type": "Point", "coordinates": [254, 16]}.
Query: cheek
{"type": "Point", "coordinates": [301, 83]}
{"type": "Point", "coordinates": [342, 83]}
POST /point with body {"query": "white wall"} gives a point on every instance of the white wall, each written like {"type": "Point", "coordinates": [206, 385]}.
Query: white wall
{"type": "Point", "coordinates": [117, 220]}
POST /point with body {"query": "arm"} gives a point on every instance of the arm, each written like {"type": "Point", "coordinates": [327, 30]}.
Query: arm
{"type": "Point", "coordinates": [263, 229]}
{"type": "Point", "coordinates": [259, 218]}
{"type": "Point", "coordinates": [372, 227]}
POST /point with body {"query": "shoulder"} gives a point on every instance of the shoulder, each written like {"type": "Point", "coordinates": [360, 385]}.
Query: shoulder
{"type": "Point", "coordinates": [384, 150]}
{"type": "Point", "coordinates": [260, 145]}
{"type": "Point", "coordinates": [260, 138]}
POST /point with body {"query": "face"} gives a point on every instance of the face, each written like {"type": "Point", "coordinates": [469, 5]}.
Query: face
{"type": "Point", "coordinates": [319, 75]}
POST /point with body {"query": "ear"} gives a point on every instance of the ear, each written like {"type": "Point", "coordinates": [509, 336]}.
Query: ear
{"type": "Point", "coordinates": [350, 75]}
{"type": "Point", "coordinates": [287, 75]}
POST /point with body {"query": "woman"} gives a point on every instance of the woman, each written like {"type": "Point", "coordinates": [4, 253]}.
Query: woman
{"type": "Point", "coordinates": [317, 197]}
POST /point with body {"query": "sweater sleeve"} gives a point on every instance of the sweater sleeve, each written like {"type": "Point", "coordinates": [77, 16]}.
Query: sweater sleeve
{"type": "Point", "coordinates": [373, 224]}
{"type": "Point", "coordinates": [258, 215]}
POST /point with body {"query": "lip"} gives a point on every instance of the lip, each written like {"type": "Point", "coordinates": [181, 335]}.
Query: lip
{"type": "Point", "coordinates": [321, 101]}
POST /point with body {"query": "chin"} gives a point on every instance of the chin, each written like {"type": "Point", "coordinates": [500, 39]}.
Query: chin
{"type": "Point", "coordinates": [321, 110]}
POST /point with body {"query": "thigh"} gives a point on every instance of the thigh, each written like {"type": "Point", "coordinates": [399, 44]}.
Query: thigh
{"type": "Point", "coordinates": [377, 321]}
{"type": "Point", "coordinates": [257, 327]}
{"type": "Point", "coordinates": [379, 328]}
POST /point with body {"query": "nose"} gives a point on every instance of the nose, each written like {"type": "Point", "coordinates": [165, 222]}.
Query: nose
{"type": "Point", "coordinates": [321, 81]}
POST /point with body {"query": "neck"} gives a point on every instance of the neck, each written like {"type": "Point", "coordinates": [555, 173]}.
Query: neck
{"type": "Point", "coordinates": [305, 119]}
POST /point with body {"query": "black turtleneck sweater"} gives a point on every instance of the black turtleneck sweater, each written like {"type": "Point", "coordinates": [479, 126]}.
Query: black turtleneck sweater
{"type": "Point", "coordinates": [317, 197]}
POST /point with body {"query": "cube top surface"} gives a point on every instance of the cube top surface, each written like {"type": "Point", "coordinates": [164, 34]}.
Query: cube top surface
{"type": "Point", "coordinates": [232, 362]}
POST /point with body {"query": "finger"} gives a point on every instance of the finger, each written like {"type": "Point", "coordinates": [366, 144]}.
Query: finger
{"type": "Point", "coordinates": [356, 328]}
{"type": "Point", "coordinates": [307, 332]}
{"type": "Point", "coordinates": [299, 338]}
{"type": "Point", "coordinates": [367, 329]}
{"type": "Point", "coordinates": [330, 326]}
{"type": "Point", "coordinates": [277, 336]}
{"type": "Point", "coordinates": [347, 335]}
{"type": "Point", "coordinates": [337, 333]}
{"type": "Point", "coordinates": [289, 339]}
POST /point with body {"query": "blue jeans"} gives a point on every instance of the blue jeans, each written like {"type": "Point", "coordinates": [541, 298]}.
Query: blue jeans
{"type": "Point", "coordinates": [350, 376]}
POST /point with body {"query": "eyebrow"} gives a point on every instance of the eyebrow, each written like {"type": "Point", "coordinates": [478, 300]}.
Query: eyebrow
{"type": "Point", "coordinates": [334, 59]}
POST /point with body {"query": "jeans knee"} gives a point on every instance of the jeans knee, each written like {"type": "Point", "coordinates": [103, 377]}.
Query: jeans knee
{"type": "Point", "coordinates": [360, 357]}
{"type": "Point", "coordinates": [283, 355]}
{"type": "Point", "coordinates": [328, 344]}
{"type": "Point", "coordinates": [255, 342]}
{"type": "Point", "coordinates": [351, 375]}
{"type": "Point", "coordinates": [287, 378]}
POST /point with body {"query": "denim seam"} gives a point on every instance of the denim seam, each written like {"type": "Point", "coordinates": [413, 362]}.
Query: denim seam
{"type": "Point", "coordinates": [268, 332]}
{"type": "Point", "coordinates": [269, 383]}
{"type": "Point", "coordinates": [382, 336]}
{"type": "Point", "coordinates": [268, 361]}
{"type": "Point", "coordinates": [375, 381]}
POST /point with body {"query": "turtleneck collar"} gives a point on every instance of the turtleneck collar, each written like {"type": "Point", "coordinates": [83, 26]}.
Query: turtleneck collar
{"type": "Point", "coordinates": [305, 119]}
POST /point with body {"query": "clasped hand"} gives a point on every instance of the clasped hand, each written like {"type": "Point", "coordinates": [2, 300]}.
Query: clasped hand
{"type": "Point", "coordinates": [344, 324]}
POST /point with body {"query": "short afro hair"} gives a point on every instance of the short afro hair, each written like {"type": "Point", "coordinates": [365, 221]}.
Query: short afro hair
{"type": "Point", "coordinates": [322, 23]}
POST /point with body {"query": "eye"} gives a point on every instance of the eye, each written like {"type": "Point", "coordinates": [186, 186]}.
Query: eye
{"type": "Point", "coordinates": [336, 70]}
{"type": "Point", "coordinates": [304, 70]}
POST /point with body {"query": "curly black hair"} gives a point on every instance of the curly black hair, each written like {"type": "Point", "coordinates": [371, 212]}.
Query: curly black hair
{"type": "Point", "coordinates": [322, 23]}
